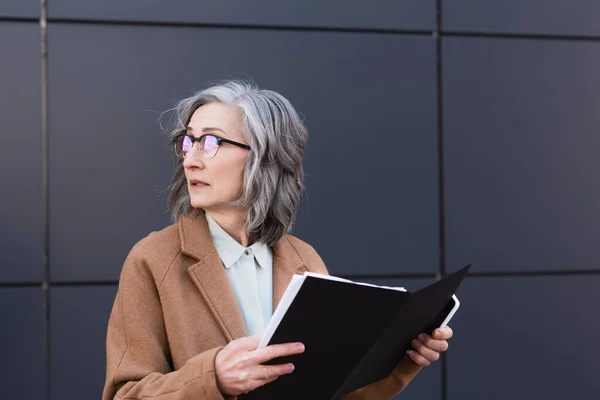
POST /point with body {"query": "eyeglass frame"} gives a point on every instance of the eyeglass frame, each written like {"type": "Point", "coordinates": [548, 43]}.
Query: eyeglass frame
{"type": "Point", "coordinates": [198, 139]}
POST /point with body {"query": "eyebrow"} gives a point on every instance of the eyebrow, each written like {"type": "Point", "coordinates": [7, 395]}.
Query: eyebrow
{"type": "Point", "coordinates": [208, 129]}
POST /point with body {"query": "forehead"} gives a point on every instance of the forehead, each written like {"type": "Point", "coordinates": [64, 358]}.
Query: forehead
{"type": "Point", "coordinates": [226, 117]}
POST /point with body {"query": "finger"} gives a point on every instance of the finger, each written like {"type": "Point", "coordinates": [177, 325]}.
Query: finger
{"type": "Point", "coordinates": [270, 372]}
{"type": "Point", "coordinates": [443, 333]}
{"type": "Point", "coordinates": [429, 354]}
{"type": "Point", "coordinates": [434, 344]}
{"type": "Point", "coordinates": [418, 358]}
{"type": "Point", "coordinates": [277, 350]}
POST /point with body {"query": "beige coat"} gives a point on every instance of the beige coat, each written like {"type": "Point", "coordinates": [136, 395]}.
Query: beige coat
{"type": "Point", "coordinates": [175, 310]}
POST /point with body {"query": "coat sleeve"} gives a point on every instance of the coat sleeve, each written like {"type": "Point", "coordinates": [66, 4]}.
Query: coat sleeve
{"type": "Point", "coordinates": [138, 362]}
{"type": "Point", "coordinates": [386, 388]}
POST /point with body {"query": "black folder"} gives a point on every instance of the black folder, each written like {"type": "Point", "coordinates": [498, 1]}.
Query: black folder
{"type": "Point", "coordinates": [354, 334]}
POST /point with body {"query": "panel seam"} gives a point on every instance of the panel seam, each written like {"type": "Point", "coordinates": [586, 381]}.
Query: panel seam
{"type": "Point", "coordinates": [45, 187]}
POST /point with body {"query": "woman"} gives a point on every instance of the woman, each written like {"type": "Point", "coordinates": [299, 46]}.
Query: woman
{"type": "Point", "coordinates": [194, 298]}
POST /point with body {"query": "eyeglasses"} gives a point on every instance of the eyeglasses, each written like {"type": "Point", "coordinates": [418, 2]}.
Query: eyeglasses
{"type": "Point", "coordinates": [207, 144]}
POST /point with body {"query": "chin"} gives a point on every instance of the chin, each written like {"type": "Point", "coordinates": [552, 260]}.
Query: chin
{"type": "Point", "coordinates": [199, 203]}
{"type": "Point", "coordinates": [207, 202]}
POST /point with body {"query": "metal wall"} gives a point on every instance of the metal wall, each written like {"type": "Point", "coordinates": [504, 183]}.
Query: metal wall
{"type": "Point", "coordinates": [441, 133]}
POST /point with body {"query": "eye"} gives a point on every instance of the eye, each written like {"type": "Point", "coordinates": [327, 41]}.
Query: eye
{"type": "Point", "coordinates": [186, 144]}
{"type": "Point", "coordinates": [210, 143]}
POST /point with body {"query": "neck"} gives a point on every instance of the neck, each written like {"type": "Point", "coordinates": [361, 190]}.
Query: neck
{"type": "Point", "coordinates": [234, 223]}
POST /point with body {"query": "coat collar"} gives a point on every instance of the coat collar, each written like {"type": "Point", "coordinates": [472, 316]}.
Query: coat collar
{"type": "Point", "coordinates": [209, 275]}
{"type": "Point", "coordinates": [230, 250]}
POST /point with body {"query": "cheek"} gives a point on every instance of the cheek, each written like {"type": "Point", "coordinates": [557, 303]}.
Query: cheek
{"type": "Point", "coordinates": [228, 179]}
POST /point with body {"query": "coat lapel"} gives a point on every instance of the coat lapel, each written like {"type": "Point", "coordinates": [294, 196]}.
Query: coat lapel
{"type": "Point", "coordinates": [209, 276]}
{"type": "Point", "coordinates": [286, 263]}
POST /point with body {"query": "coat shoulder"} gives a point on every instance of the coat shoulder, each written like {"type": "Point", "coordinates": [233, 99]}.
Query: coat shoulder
{"type": "Point", "coordinates": [156, 251]}
{"type": "Point", "coordinates": [162, 242]}
{"type": "Point", "coordinates": [312, 260]}
{"type": "Point", "coordinates": [301, 247]}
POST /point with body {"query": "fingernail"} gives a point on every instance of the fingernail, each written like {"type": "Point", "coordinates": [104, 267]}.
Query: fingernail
{"type": "Point", "coordinates": [437, 334]}
{"type": "Point", "coordinates": [289, 368]}
{"type": "Point", "coordinates": [422, 337]}
{"type": "Point", "coordinates": [300, 347]}
{"type": "Point", "coordinates": [414, 343]}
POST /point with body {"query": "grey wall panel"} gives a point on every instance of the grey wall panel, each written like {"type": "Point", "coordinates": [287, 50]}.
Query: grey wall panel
{"type": "Point", "coordinates": [556, 17]}
{"type": "Point", "coordinates": [22, 344]}
{"type": "Point", "coordinates": [78, 340]}
{"type": "Point", "coordinates": [21, 203]}
{"type": "Point", "coordinates": [522, 173]}
{"type": "Point", "coordinates": [104, 180]}
{"type": "Point", "coordinates": [406, 14]}
{"type": "Point", "coordinates": [519, 337]}
{"type": "Point", "coordinates": [109, 164]}
{"type": "Point", "coordinates": [20, 8]}
{"type": "Point", "coordinates": [372, 150]}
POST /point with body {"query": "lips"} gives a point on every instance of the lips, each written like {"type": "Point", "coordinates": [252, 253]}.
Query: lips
{"type": "Point", "coordinates": [197, 182]}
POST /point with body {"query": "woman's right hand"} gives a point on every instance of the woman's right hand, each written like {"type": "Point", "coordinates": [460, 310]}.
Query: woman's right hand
{"type": "Point", "coordinates": [238, 365]}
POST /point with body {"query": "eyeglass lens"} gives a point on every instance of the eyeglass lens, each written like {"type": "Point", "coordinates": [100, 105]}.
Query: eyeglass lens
{"type": "Point", "coordinates": [207, 146]}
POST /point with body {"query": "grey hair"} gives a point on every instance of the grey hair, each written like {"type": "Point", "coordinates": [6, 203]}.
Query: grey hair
{"type": "Point", "coordinates": [273, 182]}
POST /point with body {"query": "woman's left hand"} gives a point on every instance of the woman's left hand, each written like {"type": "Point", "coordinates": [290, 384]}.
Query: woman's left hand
{"type": "Point", "coordinates": [427, 349]}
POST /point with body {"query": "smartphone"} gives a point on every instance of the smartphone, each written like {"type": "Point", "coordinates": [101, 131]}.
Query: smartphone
{"type": "Point", "coordinates": [450, 310]}
{"type": "Point", "coordinates": [444, 316]}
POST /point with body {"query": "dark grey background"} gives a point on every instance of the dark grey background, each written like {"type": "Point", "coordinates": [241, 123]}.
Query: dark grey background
{"type": "Point", "coordinates": [383, 14]}
{"type": "Point", "coordinates": [21, 211]}
{"type": "Point", "coordinates": [434, 142]}
{"type": "Point", "coordinates": [10, 9]}
{"type": "Point", "coordinates": [522, 172]}
{"type": "Point", "coordinates": [23, 343]}
{"type": "Point", "coordinates": [530, 327]}
{"type": "Point", "coordinates": [533, 17]}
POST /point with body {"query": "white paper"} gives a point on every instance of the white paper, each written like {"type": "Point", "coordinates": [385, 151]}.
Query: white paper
{"type": "Point", "coordinates": [287, 298]}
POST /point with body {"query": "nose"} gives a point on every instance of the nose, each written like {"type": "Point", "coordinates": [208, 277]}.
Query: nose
{"type": "Point", "coordinates": [193, 159]}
